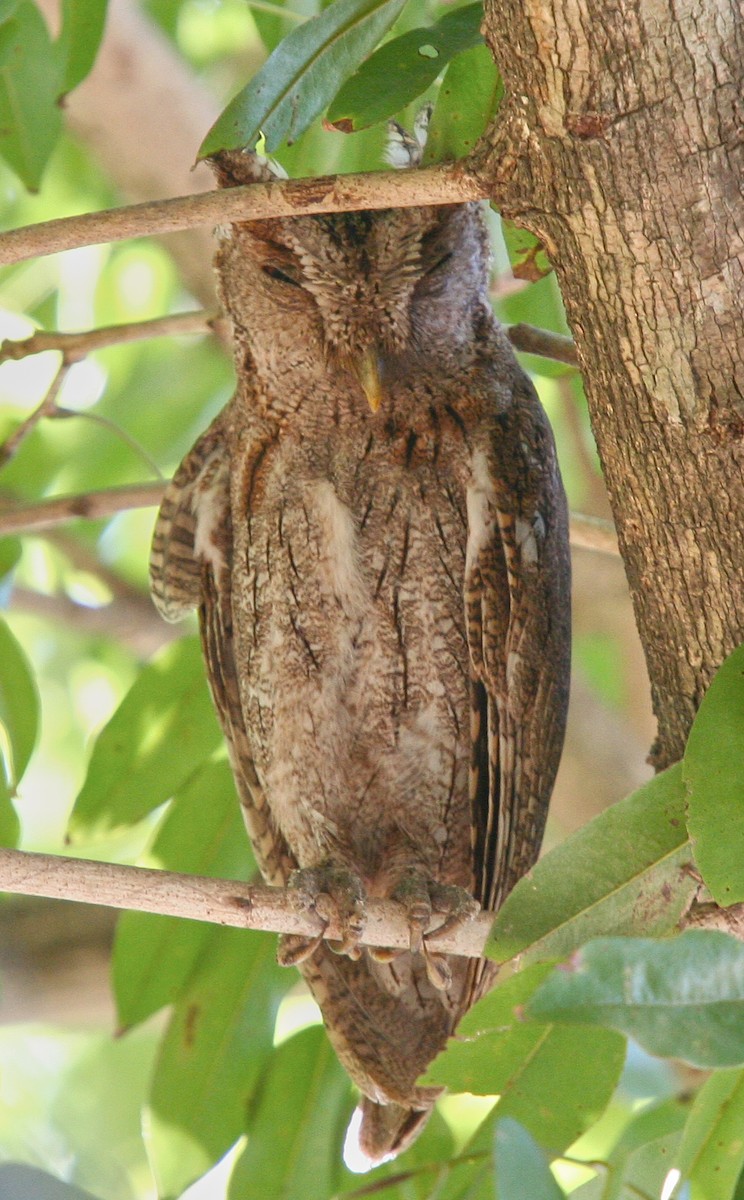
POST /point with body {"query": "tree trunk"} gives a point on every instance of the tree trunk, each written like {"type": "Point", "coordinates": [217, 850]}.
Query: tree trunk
{"type": "Point", "coordinates": [620, 145]}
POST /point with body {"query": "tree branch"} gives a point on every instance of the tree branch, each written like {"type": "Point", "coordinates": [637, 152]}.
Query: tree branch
{"type": "Point", "coordinates": [543, 342]}
{"type": "Point", "coordinates": [75, 346]}
{"type": "Point", "coordinates": [12, 444]}
{"type": "Point", "coordinates": [588, 533]}
{"type": "Point", "coordinates": [45, 514]}
{"type": "Point", "coordinates": [219, 901]}
{"type": "Point", "coordinates": [447, 184]}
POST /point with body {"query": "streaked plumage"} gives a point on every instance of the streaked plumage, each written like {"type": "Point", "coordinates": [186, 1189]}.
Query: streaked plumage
{"type": "Point", "coordinates": [384, 596]}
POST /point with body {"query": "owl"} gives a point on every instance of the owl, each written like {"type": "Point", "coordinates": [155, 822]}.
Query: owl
{"type": "Point", "coordinates": [374, 534]}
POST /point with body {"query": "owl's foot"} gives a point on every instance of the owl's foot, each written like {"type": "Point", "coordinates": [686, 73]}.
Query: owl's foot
{"type": "Point", "coordinates": [331, 894]}
{"type": "Point", "coordinates": [422, 897]}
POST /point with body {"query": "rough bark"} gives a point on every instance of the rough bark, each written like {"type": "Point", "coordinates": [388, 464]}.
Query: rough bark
{"type": "Point", "coordinates": [620, 145]}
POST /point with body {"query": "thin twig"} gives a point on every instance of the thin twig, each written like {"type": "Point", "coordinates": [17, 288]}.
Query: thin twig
{"type": "Point", "coordinates": [219, 901]}
{"type": "Point", "coordinates": [12, 444]}
{"type": "Point", "coordinates": [447, 184]}
{"type": "Point", "coordinates": [531, 340]}
{"type": "Point", "coordinates": [46, 514]}
{"type": "Point", "coordinates": [587, 533]}
{"type": "Point", "coordinates": [593, 533]}
{"type": "Point", "coordinates": [75, 346]}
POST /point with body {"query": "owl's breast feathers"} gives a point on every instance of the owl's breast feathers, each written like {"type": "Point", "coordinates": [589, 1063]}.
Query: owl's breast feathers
{"type": "Point", "coordinates": [384, 602]}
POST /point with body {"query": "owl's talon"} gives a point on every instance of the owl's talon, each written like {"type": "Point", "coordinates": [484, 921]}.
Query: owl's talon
{"type": "Point", "coordinates": [458, 905]}
{"type": "Point", "coordinates": [293, 948]}
{"type": "Point", "coordinates": [437, 969]}
{"type": "Point", "coordinates": [333, 895]}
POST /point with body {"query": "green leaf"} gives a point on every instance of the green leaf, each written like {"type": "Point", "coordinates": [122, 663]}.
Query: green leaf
{"type": "Point", "coordinates": [161, 733]}
{"type": "Point", "coordinates": [19, 727]}
{"type": "Point", "coordinates": [711, 1153]}
{"type": "Point", "coordinates": [520, 1167]}
{"type": "Point", "coordinates": [296, 1157]}
{"type": "Point", "coordinates": [302, 75]}
{"type": "Point", "coordinates": [214, 1050]}
{"type": "Point", "coordinates": [624, 872]}
{"type": "Point", "coordinates": [30, 120]}
{"type": "Point", "coordinates": [468, 98]}
{"type": "Point", "coordinates": [398, 72]}
{"type": "Point", "coordinates": [79, 39]}
{"type": "Point", "coordinates": [556, 1092]}
{"type": "Point", "coordinates": [10, 553]}
{"type": "Point", "coordinates": [526, 253]}
{"type": "Point", "coordinates": [202, 834]}
{"type": "Point", "coordinates": [555, 1085]}
{"type": "Point", "coordinates": [682, 998]}
{"type": "Point", "coordinates": [712, 770]}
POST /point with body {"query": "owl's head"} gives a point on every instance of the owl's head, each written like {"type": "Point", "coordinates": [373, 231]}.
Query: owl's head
{"type": "Point", "coordinates": [377, 293]}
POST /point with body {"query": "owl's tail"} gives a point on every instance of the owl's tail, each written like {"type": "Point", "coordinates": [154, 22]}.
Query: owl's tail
{"type": "Point", "coordinates": [378, 1132]}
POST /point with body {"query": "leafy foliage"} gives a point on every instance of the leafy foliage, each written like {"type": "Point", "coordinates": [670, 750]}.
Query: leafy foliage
{"type": "Point", "coordinates": [208, 1048]}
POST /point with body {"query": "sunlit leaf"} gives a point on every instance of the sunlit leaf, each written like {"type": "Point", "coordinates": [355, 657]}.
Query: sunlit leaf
{"type": "Point", "coordinates": [681, 998]}
{"type": "Point", "coordinates": [79, 39]}
{"type": "Point", "coordinates": [555, 1085]}
{"type": "Point", "coordinates": [556, 1092]}
{"type": "Point", "coordinates": [468, 98]}
{"type": "Point", "coordinates": [627, 871]}
{"type": "Point", "coordinates": [19, 726]}
{"type": "Point", "coordinates": [712, 771]}
{"type": "Point", "coordinates": [202, 834]}
{"type": "Point", "coordinates": [302, 75]}
{"type": "Point", "coordinates": [163, 730]}
{"type": "Point", "coordinates": [520, 1167]}
{"type": "Point", "coordinates": [213, 1052]}
{"type": "Point", "coordinates": [30, 120]}
{"type": "Point", "coordinates": [711, 1152]}
{"type": "Point", "coordinates": [297, 1156]}
{"type": "Point", "coordinates": [399, 71]}
{"type": "Point", "coordinates": [10, 553]}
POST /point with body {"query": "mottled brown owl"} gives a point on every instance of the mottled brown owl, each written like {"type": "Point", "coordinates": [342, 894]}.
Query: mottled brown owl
{"type": "Point", "coordinates": [374, 532]}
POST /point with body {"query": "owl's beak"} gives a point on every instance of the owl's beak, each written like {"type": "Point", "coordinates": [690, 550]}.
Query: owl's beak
{"type": "Point", "coordinates": [367, 369]}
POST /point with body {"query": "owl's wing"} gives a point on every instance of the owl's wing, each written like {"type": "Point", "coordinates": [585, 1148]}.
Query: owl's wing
{"type": "Point", "coordinates": [190, 567]}
{"type": "Point", "coordinates": [517, 594]}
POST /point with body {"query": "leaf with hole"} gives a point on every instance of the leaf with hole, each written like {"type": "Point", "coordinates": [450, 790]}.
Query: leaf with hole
{"type": "Point", "coordinates": [403, 69]}
{"type": "Point", "coordinates": [303, 74]}
{"type": "Point", "coordinates": [467, 100]}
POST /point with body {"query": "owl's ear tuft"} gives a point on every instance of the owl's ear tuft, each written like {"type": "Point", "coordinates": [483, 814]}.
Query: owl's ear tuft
{"type": "Point", "coordinates": [235, 167]}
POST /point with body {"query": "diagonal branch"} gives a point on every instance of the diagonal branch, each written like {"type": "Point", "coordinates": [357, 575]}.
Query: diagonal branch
{"type": "Point", "coordinates": [45, 514]}
{"type": "Point", "coordinates": [450, 183]}
{"type": "Point", "coordinates": [219, 901]}
{"type": "Point", "coordinates": [76, 345]}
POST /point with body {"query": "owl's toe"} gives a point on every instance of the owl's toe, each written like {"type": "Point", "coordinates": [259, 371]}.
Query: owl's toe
{"type": "Point", "coordinates": [456, 904]}
{"type": "Point", "coordinates": [335, 896]}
